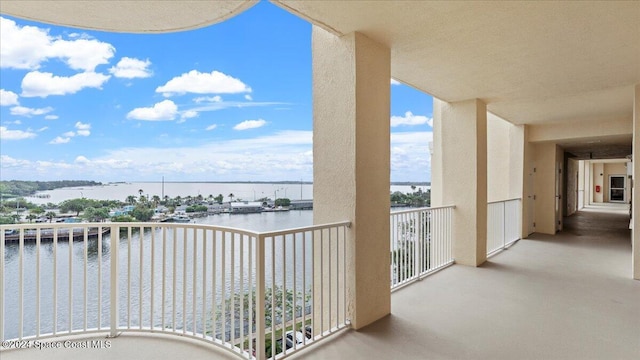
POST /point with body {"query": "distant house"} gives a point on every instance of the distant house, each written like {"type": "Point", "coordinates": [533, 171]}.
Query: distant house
{"type": "Point", "coordinates": [245, 208]}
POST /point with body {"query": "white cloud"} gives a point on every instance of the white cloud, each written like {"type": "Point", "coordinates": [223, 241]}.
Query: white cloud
{"type": "Point", "coordinates": [69, 134]}
{"type": "Point", "coordinates": [83, 129]}
{"type": "Point", "coordinates": [410, 119]}
{"type": "Point", "coordinates": [51, 117]}
{"type": "Point", "coordinates": [395, 82]}
{"type": "Point", "coordinates": [82, 54]}
{"type": "Point", "coordinates": [130, 68]}
{"type": "Point", "coordinates": [215, 106]}
{"type": "Point", "coordinates": [6, 134]}
{"type": "Point", "coordinates": [250, 124]}
{"type": "Point", "coordinates": [162, 111]}
{"type": "Point", "coordinates": [42, 84]}
{"type": "Point", "coordinates": [43, 128]}
{"type": "Point", "coordinates": [248, 97]}
{"type": "Point", "coordinates": [203, 83]}
{"type": "Point", "coordinates": [200, 99]}
{"type": "Point", "coordinates": [27, 47]}
{"type": "Point", "coordinates": [28, 112]}
{"type": "Point", "coordinates": [281, 155]}
{"type": "Point", "coordinates": [60, 140]}
{"type": "Point", "coordinates": [8, 98]}
{"type": "Point", "coordinates": [410, 157]}
{"type": "Point", "coordinates": [211, 127]}
{"type": "Point", "coordinates": [81, 160]}
{"type": "Point", "coordinates": [22, 47]}
{"type": "Point", "coordinates": [188, 114]}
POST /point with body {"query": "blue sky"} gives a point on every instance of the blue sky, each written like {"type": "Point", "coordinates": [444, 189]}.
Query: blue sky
{"type": "Point", "coordinates": [229, 102]}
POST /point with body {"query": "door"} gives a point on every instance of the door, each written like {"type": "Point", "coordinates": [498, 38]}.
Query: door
{"type": "Point", "coordinates": [531, 197]}
{"type": "Point", "coordinates": [616, 188]}
{"type": "Point", "coordinates": [559, 195]}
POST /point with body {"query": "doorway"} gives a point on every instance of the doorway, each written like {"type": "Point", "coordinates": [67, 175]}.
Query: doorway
{"type": "Point", "coordinates": [616, 188]}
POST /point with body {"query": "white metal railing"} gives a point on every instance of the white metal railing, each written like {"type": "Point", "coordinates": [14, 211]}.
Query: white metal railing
{"type": "Point", "coordinates": [503, 224]}
{"type": "Point", "coordinates": [420, 243]}
{"type": "Point", "coordinates": [237, 289]}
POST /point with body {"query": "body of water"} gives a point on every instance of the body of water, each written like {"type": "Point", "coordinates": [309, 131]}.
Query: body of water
{"type": "Point", "coordinates": [244, 191]}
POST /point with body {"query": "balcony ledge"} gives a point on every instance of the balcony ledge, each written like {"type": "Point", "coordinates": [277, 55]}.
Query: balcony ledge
{"type": "Point", "coordinates": [125, 346]}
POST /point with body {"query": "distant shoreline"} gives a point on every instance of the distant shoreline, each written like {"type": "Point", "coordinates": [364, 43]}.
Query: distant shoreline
{"type": "Point", "coordinates": [399, 183]}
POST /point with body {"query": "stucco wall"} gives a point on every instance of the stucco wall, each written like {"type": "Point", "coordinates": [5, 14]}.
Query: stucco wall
{"type": "Point", "coordinates": [545, 160]}
{"type": "Point", "coordinates": [505, 159]}
{"type": "Point", "coordinates": [498, 158]}
{"type": "Point", "coordinates": [597, 179]}
{"type": "Point", "coordinates": [351, 142]}
{"type": "Point", "coordinates": [572, 187]}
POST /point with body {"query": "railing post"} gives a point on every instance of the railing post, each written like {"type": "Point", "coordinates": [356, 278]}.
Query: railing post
{"type": "Point", "coordinates": [115, 241]}
{"type": "Point", "coordinates": [504, 225]}
{"type": "Point", "coordinates": [260, 295]}
{"type": "Point", "coordinates": [417, 247]}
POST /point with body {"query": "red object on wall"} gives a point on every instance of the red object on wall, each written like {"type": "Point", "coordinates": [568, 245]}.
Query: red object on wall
{"type": "Point", "coordinates": [597, 188]}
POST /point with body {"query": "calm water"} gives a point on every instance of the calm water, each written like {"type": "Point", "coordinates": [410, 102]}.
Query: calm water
{"type": "Point", "coordinates": [243, 191]}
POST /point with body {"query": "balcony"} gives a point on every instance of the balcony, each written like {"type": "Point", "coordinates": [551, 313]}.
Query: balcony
{"type": "Point", "coordinates": [566, 296]}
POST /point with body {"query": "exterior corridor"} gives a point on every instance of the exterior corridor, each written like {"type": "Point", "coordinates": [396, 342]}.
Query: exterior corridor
{"type": "Point", "coordinates": [567, 296]}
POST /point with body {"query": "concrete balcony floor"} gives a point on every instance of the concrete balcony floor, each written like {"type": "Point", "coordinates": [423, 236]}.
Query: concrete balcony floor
{"type": "Point", "coordinates": [568, 296]}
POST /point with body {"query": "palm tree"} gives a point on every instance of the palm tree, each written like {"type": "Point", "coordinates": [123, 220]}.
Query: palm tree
{"type": "Point", "coordinates": [231, 196]}
{"type": "Point", "coordinates": [31, 217]}
{"type": "Point", "coordinates": [50, 215]}
{"type": "Point", "coordinates": [156, 200]}
{"type": "Point", "coordinates": [131, 199]}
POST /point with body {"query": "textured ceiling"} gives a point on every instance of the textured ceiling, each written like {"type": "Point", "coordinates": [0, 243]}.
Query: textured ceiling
{"type": "Point", "coordinates": [149, 16]}
{"type": "Point", "coordinates": [532, 62]}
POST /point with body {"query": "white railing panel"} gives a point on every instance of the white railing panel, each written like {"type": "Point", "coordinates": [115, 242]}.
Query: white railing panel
{"type": "Point", "coordinates": [503, 224]}
{"type": "Point", "coordinates": [238, 289]}
{"type": "Point", "coordinates": [420, 243]}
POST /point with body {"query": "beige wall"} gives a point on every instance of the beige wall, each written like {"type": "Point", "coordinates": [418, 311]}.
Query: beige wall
{"type": "Point", "coordinates": [351, 151]}
{"type": "Point", "coordinates": [545, 160]}
{"type": "Point", "coordinates": [498, 158]}
{"type": "Point", "coordinates": [505, 159]}
{"type": "Point", "coordinates": [581, 129]}
{"type": "Point", "coordinates": [613, 169]}
{"type": "Point", "coordinates": [460, 167]}
{"type": "Point", "coordinates": [529, 191]}
{"type": "Point", "coordinates": [597, 179]}
{"type": "Point", "coordinates": [572, 187]}
{"type": "Point", "coordinates": [581, 184]}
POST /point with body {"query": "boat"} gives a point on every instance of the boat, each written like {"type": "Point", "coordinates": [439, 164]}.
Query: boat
{"type": "Point", "coordinates": [181, 219]}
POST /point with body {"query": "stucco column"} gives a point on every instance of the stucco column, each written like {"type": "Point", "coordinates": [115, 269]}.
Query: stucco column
{"type": "Point", "coordinates": [635, 233]}
{"type": "Point", "coordinates": [351, 152]}
{"type": "Point", "coordinates": [459, 174]}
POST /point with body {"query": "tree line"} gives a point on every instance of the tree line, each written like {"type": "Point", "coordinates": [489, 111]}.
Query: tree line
{"type": "Point", "coordinates": [17, 188]}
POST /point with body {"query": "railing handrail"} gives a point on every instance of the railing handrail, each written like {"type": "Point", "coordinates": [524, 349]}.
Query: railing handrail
{"type": "Point", "coordinates": [251, 233]}
{"type": "Point", "coordinates": [422, 209]}
{"type": "Point", "coordinates": [303, 228]}
{"type": "Point", "coordinates": [499, 201]}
